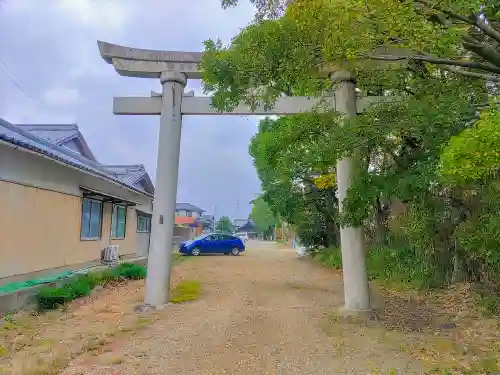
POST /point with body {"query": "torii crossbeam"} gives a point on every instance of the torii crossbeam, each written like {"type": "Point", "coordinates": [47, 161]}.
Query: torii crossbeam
{"type": "Point", "coordinates": [174, 69]}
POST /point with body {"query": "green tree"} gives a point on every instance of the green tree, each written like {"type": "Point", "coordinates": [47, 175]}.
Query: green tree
{"type": "Point", "coordinates": [461, 36]}
{"type": "Point", "coordinates": [450, 54]}
{"type": "Point", "coordinates": [224, 225]}
{"type": "Point", "coordinates": [288, 183]}
{"type": "Point", "coordinates": [262, 216]}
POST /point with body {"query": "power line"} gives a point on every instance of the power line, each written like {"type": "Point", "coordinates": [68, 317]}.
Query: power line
{"type": "Point", "coordinates": [22, 90]}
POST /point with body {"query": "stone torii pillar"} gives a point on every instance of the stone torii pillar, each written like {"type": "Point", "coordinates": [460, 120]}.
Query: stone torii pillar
{"type": "Point", "coordinates": [352, 240]}
{"type": "Point", "coordinates": [173, 69]}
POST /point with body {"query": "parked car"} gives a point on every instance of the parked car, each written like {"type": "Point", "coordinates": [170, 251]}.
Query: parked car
{"type": "Point", "coordinates": [213, 243]}
{"type": "Point", "coordinates": [242, 236]}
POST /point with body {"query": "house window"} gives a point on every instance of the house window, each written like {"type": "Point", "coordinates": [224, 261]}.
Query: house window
{"type": "Point", "coordinates": [118, 221]}
{"type": "Point", "coordinates": [189, 214]}
{"type": "Point", "coordinates": [143, 224]}
{"type": "Point", "coordinates": [91, 219]}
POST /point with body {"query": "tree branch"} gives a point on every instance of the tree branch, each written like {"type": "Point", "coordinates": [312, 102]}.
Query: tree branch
{"type": "Point", "coordinates": [486, 77]}
{"type": "Point", "coordinates": [486, 53]}
{"type": "Point", "coordinates": [487, 29]}
{"type": "Point", "coordinates": [438, 61]}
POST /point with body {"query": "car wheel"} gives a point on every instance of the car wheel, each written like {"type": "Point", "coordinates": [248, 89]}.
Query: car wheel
{"type": "Point", "coordinates": [195, 251]}
{"type": "Point", "coordinates": [235, 251]}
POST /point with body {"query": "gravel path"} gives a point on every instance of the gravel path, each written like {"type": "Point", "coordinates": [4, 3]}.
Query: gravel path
{"type": "Point", "coordinates": [264, 312]}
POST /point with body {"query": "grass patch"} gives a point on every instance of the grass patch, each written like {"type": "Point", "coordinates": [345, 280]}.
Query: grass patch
{"type": "Point", "coordinates": [186, 290]}
{"type": "Point", "coordinates": [178, 257]}
{"type": "Point", "coordinates": [50, 298]}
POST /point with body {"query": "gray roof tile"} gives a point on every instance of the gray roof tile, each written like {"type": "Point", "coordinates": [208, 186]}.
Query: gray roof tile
{"type": "Point", "coordinates": [22, 137]}
{"type": "Point", "coordinates": [188, 207]}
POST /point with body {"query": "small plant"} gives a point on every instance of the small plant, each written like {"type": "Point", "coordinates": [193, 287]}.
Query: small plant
{"type": "Point", "coordinates": [50, 298]}
{"type": "Point", "coordinates": [186, 290]}
{"type": "Point", "coordinates": [131, 271]}
{"type": "Point", "coordinates": [177, 257]}
{"type": "Point", "coordinates": [331, 257]}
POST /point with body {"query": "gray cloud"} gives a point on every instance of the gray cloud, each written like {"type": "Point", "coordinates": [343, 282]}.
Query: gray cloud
{"type": "Point", "coordinates": [49, 48]}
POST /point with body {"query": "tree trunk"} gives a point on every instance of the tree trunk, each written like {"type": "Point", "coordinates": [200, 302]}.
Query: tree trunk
{"type": "Point", "coordinates": [381, 213]}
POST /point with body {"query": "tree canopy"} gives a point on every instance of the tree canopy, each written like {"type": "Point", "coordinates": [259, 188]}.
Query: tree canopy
{"type": "Point", "coordinates": [427, 181]}
{"type": "Point", "coordinates": [462, 36]}
{"type": "Point", "coordinates": [262, 216]}
{"type": "Point", "coordinates": [224, 225]}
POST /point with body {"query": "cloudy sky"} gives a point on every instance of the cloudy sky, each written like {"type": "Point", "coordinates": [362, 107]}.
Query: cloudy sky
{"type": "Point", "coordinates": [49, 48]}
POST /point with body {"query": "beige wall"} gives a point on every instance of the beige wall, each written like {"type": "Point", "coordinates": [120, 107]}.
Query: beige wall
{"type": "Point", "coordinates": [40, 215]}
{"type": "Point", "coordinates": [41, 230]}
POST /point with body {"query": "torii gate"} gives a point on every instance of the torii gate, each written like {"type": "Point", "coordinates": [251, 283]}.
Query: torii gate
{"type": "Point", "coordinates": [174, 68]}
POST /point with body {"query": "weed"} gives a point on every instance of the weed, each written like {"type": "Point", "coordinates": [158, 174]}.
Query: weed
{"type": "Point", "coordinates": [178, 257]}
{"type": "Point", "coordinates": [50, 298]}
{"type": "Point", "coordinates": [143, 321]}
{"type": "Point", "coordinates": [116, 360]}
{"type": "Point", "coordinates": [186, 290]}
{"type": "Point", "coordinates": [3, 351]}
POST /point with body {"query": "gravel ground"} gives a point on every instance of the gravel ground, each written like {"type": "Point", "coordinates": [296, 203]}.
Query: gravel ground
{"type": "Point", "coordinates": [264, 312]}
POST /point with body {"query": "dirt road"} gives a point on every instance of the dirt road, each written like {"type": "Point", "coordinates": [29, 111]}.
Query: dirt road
{"type": "Point", "coordinates": [264, 312]}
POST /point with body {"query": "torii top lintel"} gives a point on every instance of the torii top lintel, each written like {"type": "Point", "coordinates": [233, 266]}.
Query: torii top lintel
{"type": "Point", "coordinates": [147, 63]}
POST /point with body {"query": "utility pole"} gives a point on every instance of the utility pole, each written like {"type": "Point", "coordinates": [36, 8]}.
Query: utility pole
{"type": "Point", "coordinates": [215, 220]}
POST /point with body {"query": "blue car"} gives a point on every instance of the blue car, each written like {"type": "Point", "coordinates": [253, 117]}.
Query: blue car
{"type": "Point", "coordinates": [213, 243]}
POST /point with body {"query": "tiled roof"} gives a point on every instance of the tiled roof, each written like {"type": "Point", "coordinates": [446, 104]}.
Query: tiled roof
{"type": "Point", "coordinates": [59, 134]}
{"type": "Point", "coordinates": [184, 220]}
{"type": "Point", "coordinates": [52, 133]}
{"type": "Point", "coordinates": [188, 207]}
{"type": "Point", "coordinates": [20, 136]}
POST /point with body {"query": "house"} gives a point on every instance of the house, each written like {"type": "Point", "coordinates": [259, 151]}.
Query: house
{"type": "Point", "coordinates": [188, 221]}
{"type": "Point", "coordinates": [208, 222]}
{"type": "Point", "coordinates": [61, 207]}
{"type": "Point", "coordinates": [245, 226]}
{"type": "Point", "coordinates": [237, 223]}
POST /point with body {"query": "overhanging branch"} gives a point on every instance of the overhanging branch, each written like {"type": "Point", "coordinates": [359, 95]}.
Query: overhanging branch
{"type": "Point", "coordinates": [450, 65]}
{"type": "Point", "coordinates": [438, 61]}
{"type": "Point", "coordinates": [486, 77]}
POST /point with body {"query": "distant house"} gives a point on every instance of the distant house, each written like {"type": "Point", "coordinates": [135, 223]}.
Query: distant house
{"type": "Point", "coordinates": [245, 226]}
{"type": "Point", "coordinates": [60, 207]}
{"type": "Point", "coordinates": [208, 222]}
{"type": "Point", "coordinates": [188, 221]}
{"type": "Point", "coordinates": [237, 223]}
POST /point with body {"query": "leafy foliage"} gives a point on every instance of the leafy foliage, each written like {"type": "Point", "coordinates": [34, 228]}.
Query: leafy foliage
{"type": "Point", "coordinates": [283, 155]}
{"type": "Point", "coordinates": [400, 267]}
{"type": "Point", "coordinates": [262, 216]}
{"type": "Point", "coordinates": [460, 36]}
{"type": "Point", "coordinates": [224, 225]}
{"type": "Point", "coordinates": [50, 298]}
{"type": "Point", "coordinates": [474, 154]}
{"type": "Point", "coordinates": [425, 152]}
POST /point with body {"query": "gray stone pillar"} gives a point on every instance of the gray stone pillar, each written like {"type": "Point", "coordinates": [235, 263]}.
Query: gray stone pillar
{"type": "Point", "coordinates": [356, 290]}
{"type": "Point", "coordinates": [167, 170]}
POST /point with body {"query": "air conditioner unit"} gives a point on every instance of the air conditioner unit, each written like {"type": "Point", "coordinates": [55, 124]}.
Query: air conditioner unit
{"type": "Point", "coordinates": [109, 256]}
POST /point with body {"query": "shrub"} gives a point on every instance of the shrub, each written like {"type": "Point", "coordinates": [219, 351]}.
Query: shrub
{"type": "Point", "coordinates": [131, 271]}
{"type": "Point", "coordinates": [79, 287]}
{"type": "Point", "coordinates": [331, 257]}
{"type": "Point", "coordinates": [395, 266]}
{"type": "Point", "coordinates": [50, 298]}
